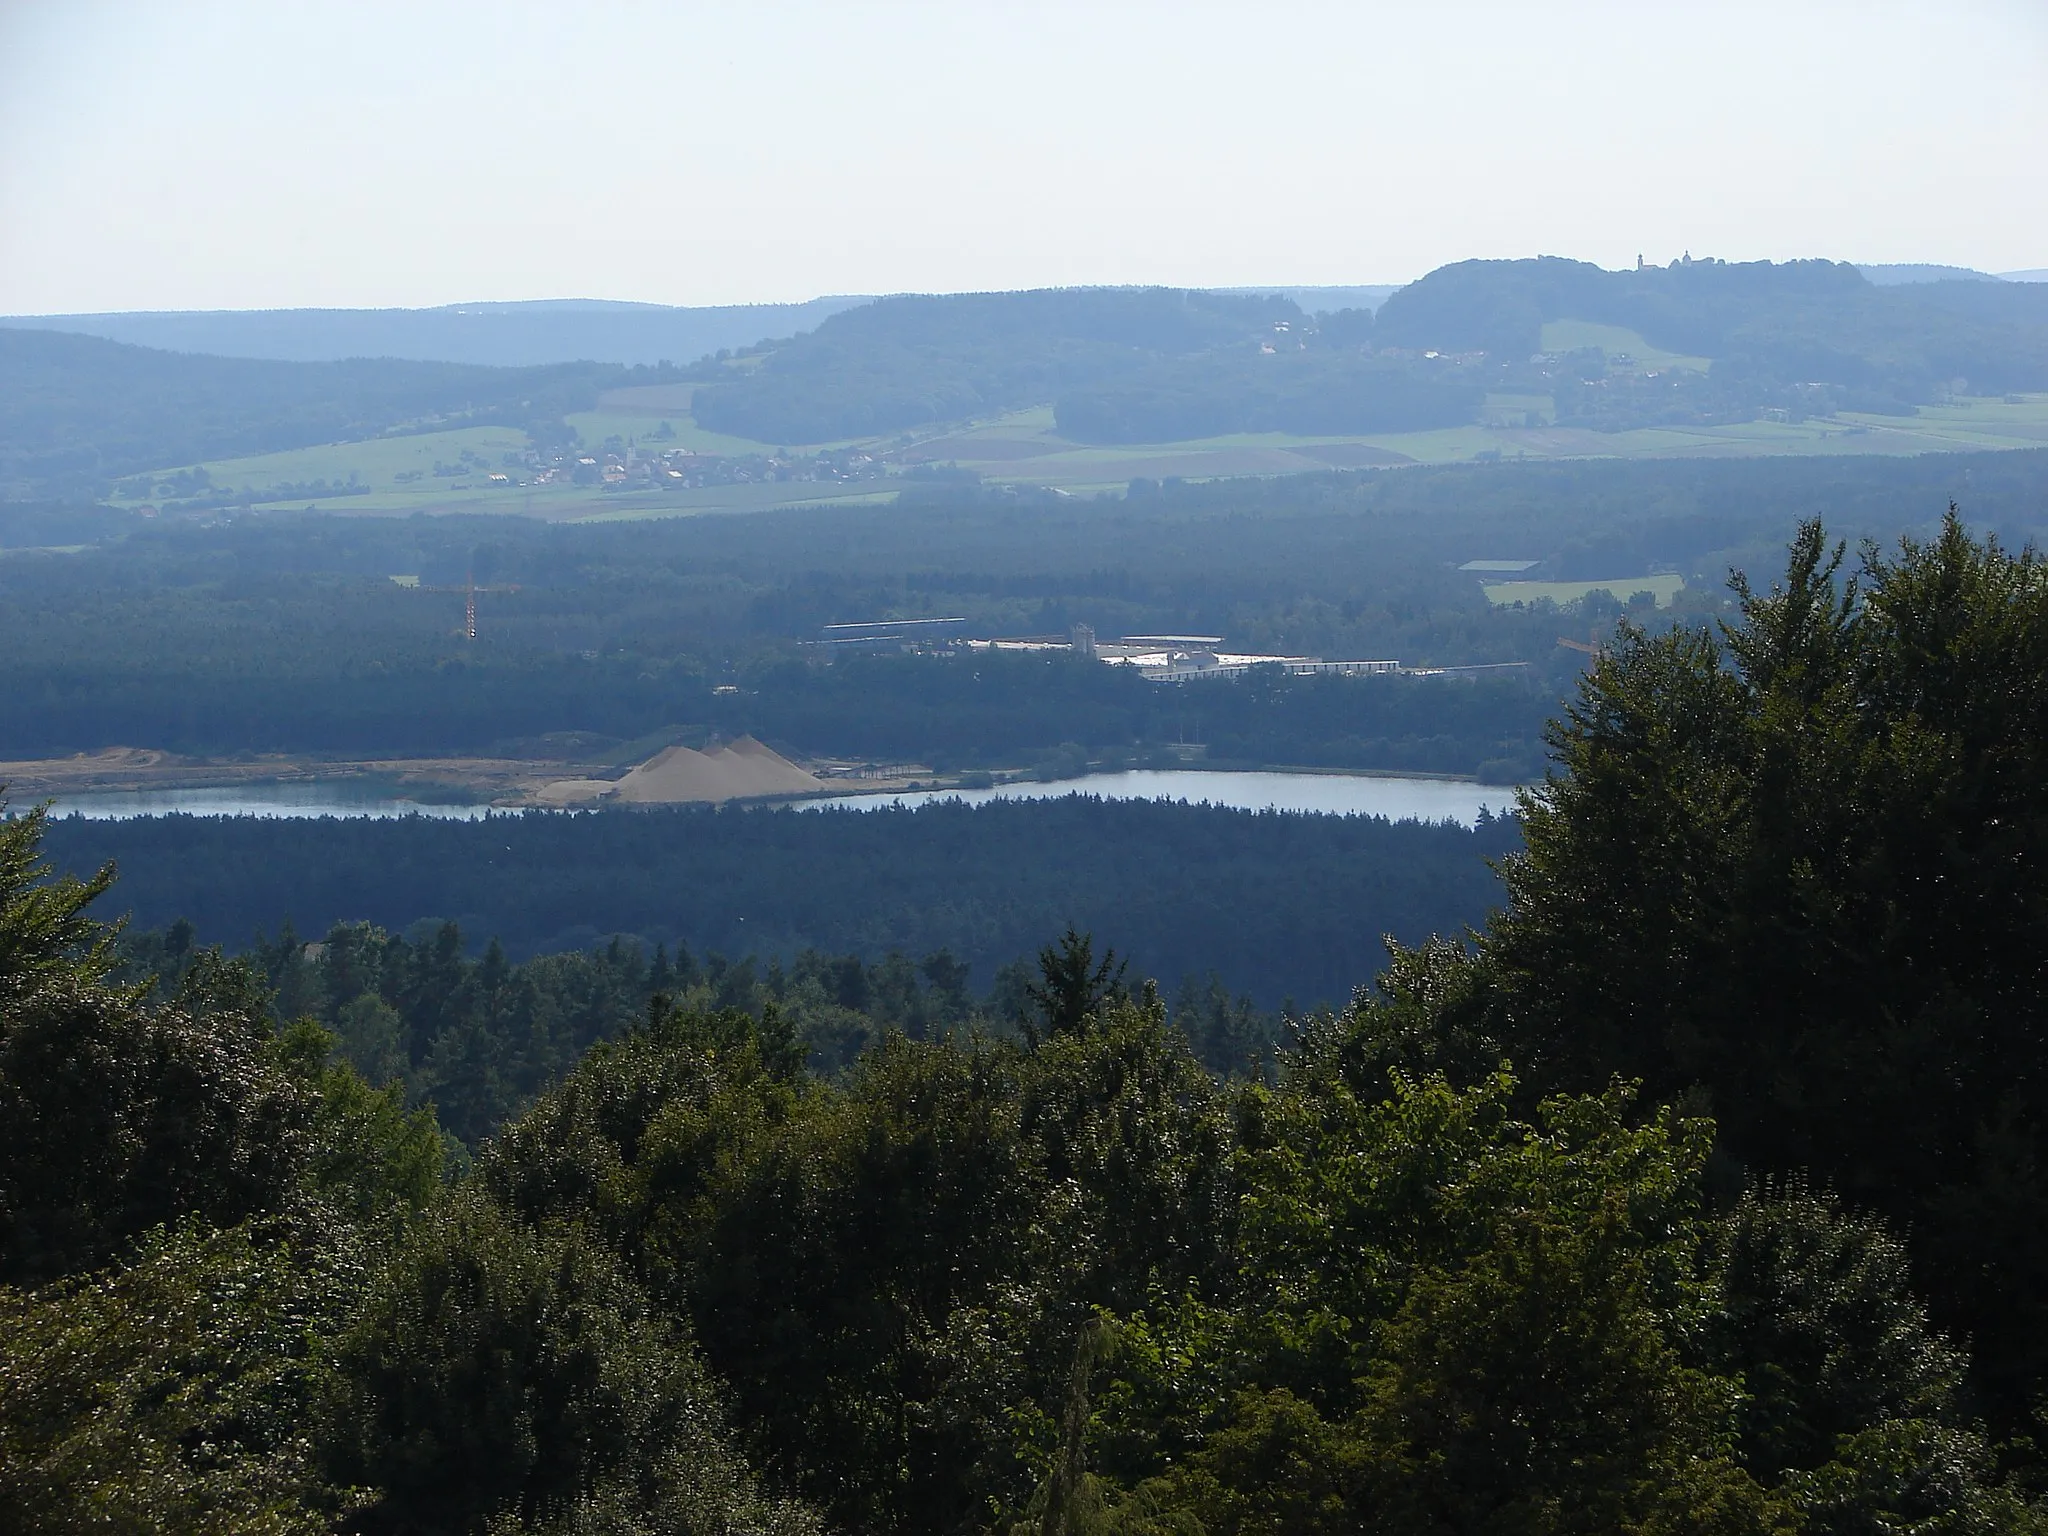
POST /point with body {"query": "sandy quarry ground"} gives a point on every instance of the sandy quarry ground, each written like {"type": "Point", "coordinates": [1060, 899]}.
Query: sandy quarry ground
{"type": "Point", "coordinates": [498, 781]}
{"type": "Point", "coordinates": [132, 768]}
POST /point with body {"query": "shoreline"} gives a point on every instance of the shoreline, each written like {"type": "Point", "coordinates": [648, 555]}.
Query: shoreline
{"type": "Point", "coordinates": [478, 779]}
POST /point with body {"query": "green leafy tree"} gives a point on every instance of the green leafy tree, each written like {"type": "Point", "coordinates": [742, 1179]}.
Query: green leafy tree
{"type": "Point", "coordinates": [116, 1117]}
{"type": "Point", "coordinates": [1852, 1404]}
{"type": "Point", "coordinates": [1800, 871]}
{"type": "Point", "coordinates": [172, 1394]}
{"type": "Point", "coordinates": [1455, 1320]}
{"type": "Point", "coordinates": [1818, 1319]}
{"type": "Point", "coordinates": [369, 1155]}
{"type": "Point", "coordinates": [512, 1372]}
{"type": "Point", "coordinates": [1074, 1501]}
{"type": "Point", "coordinates": [188, 1204]}
{"type": "Point", "coordinates": [888, 1268]}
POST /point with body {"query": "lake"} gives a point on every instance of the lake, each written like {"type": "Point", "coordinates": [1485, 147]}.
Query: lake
{"type": "Point", "coordinates": [1328, 794]}
{"type": "Point", "coordinates": [1332, 794]}
{"type": "Point", "coordinates": [309, 797]}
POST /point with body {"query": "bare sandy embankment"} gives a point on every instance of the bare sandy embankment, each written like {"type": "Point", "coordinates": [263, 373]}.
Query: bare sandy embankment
{"type": "Point", "coordinates": [744, 769]}
{"type": "Point", "coordinates": [139, 768]}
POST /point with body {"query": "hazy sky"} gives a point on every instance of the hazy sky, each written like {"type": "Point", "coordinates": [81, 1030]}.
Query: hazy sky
{"type": "Point", "coordinates": [187, 154]}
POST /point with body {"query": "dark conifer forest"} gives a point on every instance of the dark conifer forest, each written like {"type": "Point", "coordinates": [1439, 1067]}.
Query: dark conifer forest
{"type": "Point", "coordinates": [1695, 1187]}
{"type": "Point", "coordinates": [1286, 905]}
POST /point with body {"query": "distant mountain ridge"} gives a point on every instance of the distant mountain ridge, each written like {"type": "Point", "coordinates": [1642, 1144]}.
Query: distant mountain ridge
{"type": "Point", "coordinates": [1525, 345]}
{"type": "Point", "coordinates": [1893, 274]}
{"type": "Point", "coordinates": [1118, 365]}
{"type": "Point", "coordinates": [78, 411]}
{"type": "Point", "coordinates": [1890, 274]}
{"type": "Point", "coordinates": [1125, 365]}
{"type": "Point", "coordinates": [522, 333]}
{"type": "Point", "coordinates": [1320, 300]}
{"type": "Point", "coordinates": [1766, 326]}
{"type": "Point", "coordinates": [496, 335]}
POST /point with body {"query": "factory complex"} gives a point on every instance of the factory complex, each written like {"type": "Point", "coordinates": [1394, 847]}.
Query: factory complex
{"type": "Point", "coordinates": [1157, 658]}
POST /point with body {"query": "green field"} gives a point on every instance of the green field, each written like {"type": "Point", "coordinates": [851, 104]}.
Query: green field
{"type": "Point", "coordinates": [731, 498]}
{"type": "Point", "coordinates": [1503, 594]}
{"type": "Point", "coordinates": [1022, 447]}
{"type": "Point", "coordinates": [376, 463]}
{"type": "Point", "coordinates": [379, 462]}
{"type": "Point", "coordinates": [572, 503]}
{"type": "Point", "coordinates": [1572, 335]}
{"type": "Point", "coordinates": [639, 413]}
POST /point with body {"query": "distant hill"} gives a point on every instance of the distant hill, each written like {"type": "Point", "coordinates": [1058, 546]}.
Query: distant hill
{"type": "Point", "coordinates": [1514, 346]}
{"type": "Point", "coordinates": [1322, 301]}
{"type": "Point", "coordinates": [1119, 365]}
{"type": "Point", "coordinates": [1802, 338]}
{"type": "Point", "coordinates": [1766, 328]}
{"type": "Point", "coordinates": [77, 411]}
{"type": "Point", "coordinates": [494, 335]}
{"type": "Point", "coordinates": [916, 358]}
{"type": "Point", "coordinates": [2017, 308]}
{"type": "Point", "coordinates": [1891, 274]}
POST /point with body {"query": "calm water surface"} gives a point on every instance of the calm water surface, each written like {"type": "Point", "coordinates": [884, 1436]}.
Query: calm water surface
{"type": "Point", "coordinates": [1333, 794]}
{"type": "Point", "coordinates": [313, 797]}
{"type": "Point", "coordinates": [1324, 793]}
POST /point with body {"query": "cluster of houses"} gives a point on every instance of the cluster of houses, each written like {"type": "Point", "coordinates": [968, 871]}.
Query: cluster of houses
{"type": "Point", "coordinates": [630, 466]}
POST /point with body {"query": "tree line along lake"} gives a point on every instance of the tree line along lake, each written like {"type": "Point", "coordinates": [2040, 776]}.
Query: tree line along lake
{"type": "Point", "coordinates": [1397, 798]}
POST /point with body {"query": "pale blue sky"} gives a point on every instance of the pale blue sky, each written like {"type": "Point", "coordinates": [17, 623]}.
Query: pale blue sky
{"type": "Point", "coordinates": [233, 155]}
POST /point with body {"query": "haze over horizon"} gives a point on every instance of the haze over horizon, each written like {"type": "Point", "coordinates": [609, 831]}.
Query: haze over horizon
{"type": "Point", "coordinates": [426, 155]}
{"type": "Point", "coordinates": [572, 302]}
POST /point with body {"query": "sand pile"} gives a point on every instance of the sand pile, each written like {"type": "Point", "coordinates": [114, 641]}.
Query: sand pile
{"type": "Point", "coordinates": [573, 792]}
{"type": "Point", "coordinates": [739, 770]}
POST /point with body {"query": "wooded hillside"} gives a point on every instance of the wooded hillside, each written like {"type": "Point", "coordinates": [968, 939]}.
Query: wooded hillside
{"type": "Point", "coordinates": [1700, 1196]}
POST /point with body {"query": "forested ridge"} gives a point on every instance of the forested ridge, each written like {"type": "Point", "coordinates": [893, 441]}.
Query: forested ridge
{"type": "Point", "coordinates": [1764, 325]}
{"type": "Point", "coordinates": [285, 633]}
{"type": "Point", "coordinates": [1284, 905]}
{"type": "Point", "coordinates": [77, 412]}
{"type": "Point", "coordinates": [1116, 365]}
{"type": "Point", "coordinates": [1162, 365]}
{"type": "Point", "coordinates": [1700, 1192]}
{"type": "Point", "coordinates": [518, 334]}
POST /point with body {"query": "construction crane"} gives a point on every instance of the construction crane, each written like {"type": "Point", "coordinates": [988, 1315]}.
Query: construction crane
{"type": "Point", "coordinates": [469, 590]}
{"type": "Point", "coordinates": [1590, 646]}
